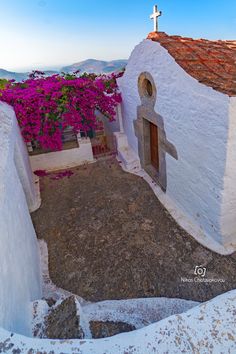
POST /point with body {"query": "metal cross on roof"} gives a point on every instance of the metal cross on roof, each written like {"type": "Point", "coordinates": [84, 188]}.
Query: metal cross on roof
{"type": "Point", "coordinates": [155, 16]}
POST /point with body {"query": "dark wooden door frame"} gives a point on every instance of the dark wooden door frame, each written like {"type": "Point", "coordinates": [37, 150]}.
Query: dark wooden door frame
{"type": "Point", "coordinates": [154, 145]}
{"type": "Point", "coordinates": [146, 114]}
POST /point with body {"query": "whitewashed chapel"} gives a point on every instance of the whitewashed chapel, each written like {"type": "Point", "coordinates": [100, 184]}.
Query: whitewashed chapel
{"type": "Point", "coordinates": [179, 124]}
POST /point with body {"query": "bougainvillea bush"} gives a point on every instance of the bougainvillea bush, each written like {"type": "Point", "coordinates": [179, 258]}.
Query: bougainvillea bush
{"type": "Point", "coordinates": [46, 106]}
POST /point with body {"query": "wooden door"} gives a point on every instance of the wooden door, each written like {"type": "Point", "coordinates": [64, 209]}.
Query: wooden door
{"type": "Point", "coordinates": [154, 146]}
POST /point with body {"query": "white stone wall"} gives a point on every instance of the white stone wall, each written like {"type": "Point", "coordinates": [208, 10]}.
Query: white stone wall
{"type": "Point", "coordinates": [196, 122]}
{"type": "Point", "coordinates": [110, 126]}
{"type": "Point", "coordinates": [20, 278]}
{"type": "Point", "coordinates": [228, 217]}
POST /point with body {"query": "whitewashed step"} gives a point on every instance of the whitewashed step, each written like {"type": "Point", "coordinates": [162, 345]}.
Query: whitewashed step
{"type": "Point", "coordinates": [128, 158]}
{"type": "Point", "coordinates": [125, 153]}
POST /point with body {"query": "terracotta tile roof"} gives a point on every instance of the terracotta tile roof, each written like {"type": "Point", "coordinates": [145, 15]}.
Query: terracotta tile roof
{"type": "Point", "coordinates": [212, 63]}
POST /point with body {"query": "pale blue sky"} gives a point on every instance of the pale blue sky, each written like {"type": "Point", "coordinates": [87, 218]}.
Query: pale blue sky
{"type": "Point", "coordinates": [53, 33]}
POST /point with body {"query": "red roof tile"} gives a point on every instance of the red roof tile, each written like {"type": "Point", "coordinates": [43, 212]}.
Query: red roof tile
{"type": "Point", "coordinates": [212, 63]}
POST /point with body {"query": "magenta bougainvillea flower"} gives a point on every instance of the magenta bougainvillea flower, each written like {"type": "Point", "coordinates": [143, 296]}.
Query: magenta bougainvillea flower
{"type": "Point", "coordinates": [46, 106]}
{"type": "Point", "coordinates": [63, 174]}
{"type": "Point", "coordinates": [41, 173]}
{"type": "Point", "coordinates": [54, 176]}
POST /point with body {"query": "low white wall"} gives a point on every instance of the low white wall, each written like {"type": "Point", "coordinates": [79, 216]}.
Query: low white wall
{"type": "Point", "coordinates": [20, 277]}
{"type": "Point", "coordinates": [207, 328]}
{"type": "Point", "coordinates": [196, 122]}
{"type": "Point", "coordinates": [64, 159]}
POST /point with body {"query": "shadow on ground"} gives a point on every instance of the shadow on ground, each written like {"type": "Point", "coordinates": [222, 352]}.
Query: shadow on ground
{"type": "Point", "coordinates": [109, 237]}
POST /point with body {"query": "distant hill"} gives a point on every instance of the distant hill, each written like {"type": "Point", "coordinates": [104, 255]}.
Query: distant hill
{"type": "Point", "coordinates": [10, 75]}
{"type": "Point", "coordinates": [89, 66]}
{"type": "Point", "coordinates": [96, 66]}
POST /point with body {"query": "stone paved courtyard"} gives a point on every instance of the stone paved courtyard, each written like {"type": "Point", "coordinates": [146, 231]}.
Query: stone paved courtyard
{"type": "Point", "coordinates": [109, 237]}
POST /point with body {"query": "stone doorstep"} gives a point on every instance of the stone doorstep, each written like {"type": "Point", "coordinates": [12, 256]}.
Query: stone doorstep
{"type": "Point", "coordinates": [121, 140]}
{"type": "Point", "coordinates": [129, 163]}
{"type": "Point", "coordinates": [125, 153]}
{"type": "Point", "coordinates": [128, 158]}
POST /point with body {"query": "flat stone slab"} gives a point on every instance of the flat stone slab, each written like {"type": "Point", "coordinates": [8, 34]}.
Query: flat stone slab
{"type": "Point", "coordinates": [63, 322]}
{"type": "Point", "coordinates": [100, 329]}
